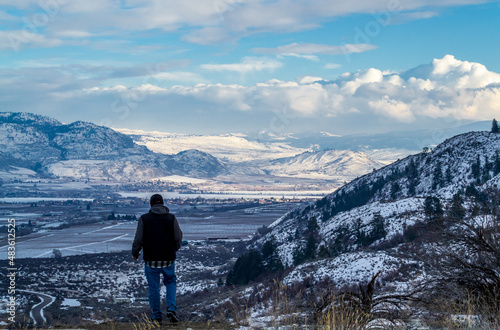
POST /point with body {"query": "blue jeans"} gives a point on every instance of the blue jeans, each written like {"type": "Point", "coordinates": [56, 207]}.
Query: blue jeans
{"type": "Point", "coordinates": [169, 279]}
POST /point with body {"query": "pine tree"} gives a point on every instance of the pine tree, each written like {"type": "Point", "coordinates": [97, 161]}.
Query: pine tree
{"type": "Point", "coordinates": [496, 165]}
{"type": "Point", "coordinates": [448, 175]}
{"type": "Point", "coordinates": [378, 227]}
{"type": "Point", "coordinates": [457, 210]}
{"type": "Point", "coordinates": [394, 189]}
{"type": "Point", "coordinates": [412, 185]}
{"type": "Point", "coordinates": [494, 126]}
{"type": "Point", "coordinates": [433, 208]}
{"type": "Point", "coordinates": [437, 179]}
{"type": "Point", "coordinates": [476, 169]}
{"type": "Point", "coordinates": [312, 225]}
{"type": "Point", "coordinates": [247, 268]}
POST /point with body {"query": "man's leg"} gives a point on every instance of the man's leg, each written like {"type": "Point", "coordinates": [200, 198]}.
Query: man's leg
{"type": "Point", "coordinates": [170, 281]}
{"type": "Point", "coordinates": [153, 278]}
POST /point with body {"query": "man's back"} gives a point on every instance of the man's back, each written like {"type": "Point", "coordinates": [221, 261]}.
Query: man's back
{"type": "Point", "coordinates": [158, 234]}
{"type": "Point", "coordinates": [158, 237]}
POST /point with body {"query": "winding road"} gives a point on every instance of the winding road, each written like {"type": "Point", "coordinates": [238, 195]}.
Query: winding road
{"type": "Point", "coordinates": [37, 311]}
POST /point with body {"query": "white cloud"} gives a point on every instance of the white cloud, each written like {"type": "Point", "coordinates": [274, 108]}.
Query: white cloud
{"type": "Point", "coordinates": [214, 21]}
{"type": "Point", "coordinates": [313, 58]}
{"type": "Point", "coordinates": [309, 80]}
{"type": "Point", "coordinates": [248, 64]}
{"type": "Point", "coordinates": [452, 89]}
{"type": "Point", "coordinates": [330, 66]}
{"type": "Point", "coordinates": [311, 48]}
{"type": "Point", "coordinates": [445, 89]}
{"type": "Point", "coordinates": [401, 18]}
{"type": "Point", "coordinates": [20, 39]}
{"type": "Point", "coordinates": [392, 108]}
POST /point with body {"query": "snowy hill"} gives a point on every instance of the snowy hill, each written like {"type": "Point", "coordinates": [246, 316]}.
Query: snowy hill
{"type": "Point", "coordinates": [228, 147]}
{"type": "Point", "coordinates": [334, 164]}
{"type": "Point", "coordinates": [86, 150]}
{"type": "Point", "coordinates": [382, 209]}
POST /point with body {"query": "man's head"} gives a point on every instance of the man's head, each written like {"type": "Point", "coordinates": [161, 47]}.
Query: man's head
{"type": "Point", "coordinates": [156, 199]}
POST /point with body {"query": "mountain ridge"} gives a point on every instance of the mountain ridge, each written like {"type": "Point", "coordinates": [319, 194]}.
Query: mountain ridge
{"type": "Point", "coordinates": [394, 198]}
{"type": "Point", "coordinates": [39, 142]}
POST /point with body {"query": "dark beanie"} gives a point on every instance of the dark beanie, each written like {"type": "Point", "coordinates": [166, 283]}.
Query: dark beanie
{"type": "Point", "coordinates": [156, 199]}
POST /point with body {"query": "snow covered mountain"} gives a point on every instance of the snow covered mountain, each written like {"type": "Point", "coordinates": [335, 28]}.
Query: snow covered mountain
{"type": "Point", "coordinates": [332, 164]}
{"type": "Point", "coordinates": [228, 147]}
{"type": "Point", "coordinates": [86, 150]}
{"type": "Point", "coordinates": [272, 155]}
{"type": "Point", "coordinates": [382, 209]}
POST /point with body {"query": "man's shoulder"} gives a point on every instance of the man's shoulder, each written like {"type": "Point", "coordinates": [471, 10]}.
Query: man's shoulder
{"type": "Point", "coordinates": [151, 215]}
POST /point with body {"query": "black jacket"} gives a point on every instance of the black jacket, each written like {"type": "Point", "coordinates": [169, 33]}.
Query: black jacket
{"type": "Point", "coordinates": [158, 234]}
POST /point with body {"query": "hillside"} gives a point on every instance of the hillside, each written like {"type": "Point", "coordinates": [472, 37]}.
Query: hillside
{"type": "Point", "coordinates": [422, 224]}
{"type": "Point", "coordinates": [396, 192]}
{"type": "Point", "coordinates": [333, 164]}
{"type": "Point", "coordinates": [85, 150]}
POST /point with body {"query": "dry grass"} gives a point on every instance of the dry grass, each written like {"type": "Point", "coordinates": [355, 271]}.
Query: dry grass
{"type": "Point", "coordinates": [339, 315]}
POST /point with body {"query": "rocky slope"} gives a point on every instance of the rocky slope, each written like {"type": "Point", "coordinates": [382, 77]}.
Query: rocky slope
{"type": "Point", "coordinates": [83, 149]}
{"type": "Point", "coordinates": [377, 209]}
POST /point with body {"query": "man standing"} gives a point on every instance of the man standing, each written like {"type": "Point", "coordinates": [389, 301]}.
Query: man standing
{"type": "Point", "coordinates": [159, 236]}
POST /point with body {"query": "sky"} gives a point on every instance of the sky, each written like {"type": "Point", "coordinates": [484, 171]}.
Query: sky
{"type": "Point", "coordinates": [228, 66]}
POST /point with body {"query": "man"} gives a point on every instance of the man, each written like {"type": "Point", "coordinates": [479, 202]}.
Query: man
{"type": "Point", "coordinates": [159, 236]}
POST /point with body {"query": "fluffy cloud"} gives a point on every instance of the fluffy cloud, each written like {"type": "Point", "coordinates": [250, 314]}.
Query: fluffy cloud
{"type": "Point", "coordinates": [446, 89]}
{"type": "Point", "coordinates": [449, 89]}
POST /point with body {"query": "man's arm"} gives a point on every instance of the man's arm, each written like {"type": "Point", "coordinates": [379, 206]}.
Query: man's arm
{"type": "Point", "coordinates": [177, 234]}
{"type": "Point", "coordinates": [137, 245]}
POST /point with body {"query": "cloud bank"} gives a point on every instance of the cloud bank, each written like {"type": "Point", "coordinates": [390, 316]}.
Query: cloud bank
{"type": "Point", "coordinates": [445, 89]}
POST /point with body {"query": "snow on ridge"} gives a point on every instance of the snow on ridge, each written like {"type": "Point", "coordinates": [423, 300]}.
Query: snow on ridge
{"type": "Point", "coordinates": [347, 268]}
{"type": "Point", "coordinates": [230, 147]}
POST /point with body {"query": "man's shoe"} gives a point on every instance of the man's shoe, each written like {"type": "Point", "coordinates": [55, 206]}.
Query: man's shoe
{"type": "Point", "coordinates": [172, 317]}
{"type": "Point", "coordinates": [156, 320]}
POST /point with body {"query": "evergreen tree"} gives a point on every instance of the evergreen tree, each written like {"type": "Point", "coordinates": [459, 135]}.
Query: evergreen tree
{"type": "Point", "coordinates": [247, 268]}
{"type": "Point", "coordinates": [448, 176]}
{"type": "Point", "coordinates": [394, 189]}
{"type": "Point", "coordinates": [411, 170]}
{"type": "Point", "coordinates": [303, 253]}
{"type": "Point", "coordinates": [476, 169]}
{"type": "Point", "coordinates": [433, 208]}
{"type": "Point", "coordinates": [412, 185]}
{"type": "Point", "coordinates": [339, 243]}
{"type": "Point", "coordinates": [437, 178]}
{"type": "Point", "coordinates": [310, 251]}
{"type": "Point", "coordinates": [360, 234]}
{"type": "Point", "coordinates": [496, 165]}
{"type": "Point", "coordinates": [312, 225]}
{"type": "Point", "coordinates": [494, 126]}
{"type": "Point", "coordinates": [298, 255]}
{"type": "Point", "coordinates": [270, 258]}
{"type": "Point", "coordinates": [457, 210]}
{"type": "Point", "coordinates": [378, 227]}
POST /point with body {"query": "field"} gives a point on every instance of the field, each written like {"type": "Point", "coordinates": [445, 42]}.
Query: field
{"type": "Point", "coordinates": [55, 229]}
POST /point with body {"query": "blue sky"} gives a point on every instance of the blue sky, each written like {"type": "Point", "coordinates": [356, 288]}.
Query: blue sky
{"type": "Point", "coordinates": [216, 66]}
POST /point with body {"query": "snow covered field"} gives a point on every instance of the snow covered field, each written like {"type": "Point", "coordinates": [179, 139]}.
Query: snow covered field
{"type": "Point", "coordinates": [118, 235]}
